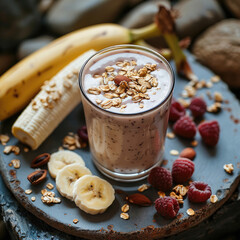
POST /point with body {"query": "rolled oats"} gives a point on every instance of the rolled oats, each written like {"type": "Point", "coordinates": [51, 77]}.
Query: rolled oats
{"type": "Point", "coordinates": [125, 208]}
{"type": "Point", "coordinates": [180, 189]}
{"type": "Point", "coordinates": [16, 163]}
{"type": "Point", "coordinates": [161, 194]}
{"type": "Point", "coordinates": [228, 168]}
{"type": "Point", "coordinates": [218, 97]}
{"type": "Point", "coordinates": [94, 90]}
{"type": "Point", "coordinates": [50, 186]}
{"type": "Point", "coordinates": [190, 212]}
{"type": "Point", "coordinates": [75, 221]}
{"type": "Point", "coordinates": [213, 199]}
{"type": "Point", "coordinates": [28, 191]}
{"type": "Point", "coordinates": [33, 199]}
{"type": "Point", "coordinates": [170, 135]}
{"type": "Point", "coordinates": [143, 187]}
{"type": "Point", "coordinates": [124, 216]}
{"type": "Point", "coordinates": [174, 152]}
{"type": "Point", "coordinates": [4, 139]}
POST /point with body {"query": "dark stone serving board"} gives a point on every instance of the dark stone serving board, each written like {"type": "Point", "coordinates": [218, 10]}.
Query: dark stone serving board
{"type": "Point", "coordinates": [144, 223]}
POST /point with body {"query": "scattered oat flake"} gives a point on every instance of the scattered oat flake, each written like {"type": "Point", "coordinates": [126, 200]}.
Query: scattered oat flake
{"type": "Point", "coordinates": [213, 199]}
{"type": "Point", "coordinates": [16, 163]}
{"type": "Point", "coordinates": [161, 194]}
{"type": "Point", "coordinates": [4, 139]}
{"type": "Point", "coordinates": [28, 191]}
{"type": "Point", "coordinates": [180, 189]}
{"type": "Point", "coordinates": [170, 135]}
{"type": "Point", "coordinates": [228, 168]}
{"type": "Point", "coordinates": [50, 186]}
{"type": "Point", "coordinates": [194, 143]}
{"type": "Point", "coordinates": [215, 79]}
{"type": "Point", "coordinates": [174, 152]}
{"type": "Point", "coordinates": [143, 187]}
{"type": "Point", "coordinates": [218, 97]}
{"type": "Point", "coordinates": [75, 221]}
{"type": "Point", "coordinates": [124, 216]}
{"type": "Point", "coordinates": [190, 212]}
{"type": "Point", "coordinates": [33, 199]}
{"type": "Point", "coordinates": [125, 208]}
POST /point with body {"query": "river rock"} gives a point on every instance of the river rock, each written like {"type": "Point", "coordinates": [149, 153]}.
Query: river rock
{"type": "Point", "coordinates": [219, 49]}
{"type": "Point", "coordinates": [68, 15]}
{"type": "Point", "coordinates": [194, 16]}
{"type": "Point", "coordinates": [233, 6]}
{"type": "Point", "coordinates": [29, 46]}
{"type": "Point", "coordinates": [18, 20]}
{"type": "Point", "coordinates": [143, 14]}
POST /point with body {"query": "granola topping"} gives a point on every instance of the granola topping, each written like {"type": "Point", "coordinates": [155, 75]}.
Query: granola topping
{"type": "Point", "coordinates": [132, 79]}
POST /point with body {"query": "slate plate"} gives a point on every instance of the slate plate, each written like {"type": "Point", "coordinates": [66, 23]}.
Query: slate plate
{"type": "Point", "coordinates": [144, 222]}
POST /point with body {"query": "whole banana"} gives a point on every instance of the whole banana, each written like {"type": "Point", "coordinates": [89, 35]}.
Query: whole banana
{"type": "Point", "coordinates": [19, 84]}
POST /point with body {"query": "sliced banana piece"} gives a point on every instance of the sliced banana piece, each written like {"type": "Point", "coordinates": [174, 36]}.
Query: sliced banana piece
{"type": "Point", "coordinates": [60, 159]}
{"type": "Point", "coordinates": [67, 176]}
{"type": "Point", "coordinates": [92, 194]}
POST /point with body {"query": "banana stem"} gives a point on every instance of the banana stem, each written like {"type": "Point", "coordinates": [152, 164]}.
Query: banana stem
{"type": "Point", "coordinates": [149, 31]}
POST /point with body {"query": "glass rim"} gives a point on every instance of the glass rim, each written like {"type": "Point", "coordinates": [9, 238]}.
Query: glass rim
{"type": "Point", "coordinates": [127, 46]}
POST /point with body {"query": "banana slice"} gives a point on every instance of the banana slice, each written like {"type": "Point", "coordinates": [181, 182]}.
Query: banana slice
{"type": "Point", "coordinates": [92, 194]}
{"type": "Point", "coordinates": [67, 176]}
{"type": "Point", "coordinates": [60, 159]}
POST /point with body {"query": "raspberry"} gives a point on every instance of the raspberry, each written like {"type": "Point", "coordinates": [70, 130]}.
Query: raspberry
{"type": "Point", "coordinates": [209, 132]}
{"type": "Point", "coordinates": [176, 111]}
{"type": "Point", "coordinates": [167, 207]}
{"type": "Point", "coordinates": [198, 107]}
{"type": "Point", "coordinates": [82, 133]}
{"type": "Point", "coordinates": [182, 170]}
{"type": "Point", "coordinates": [185, 127]}
{"type": "Point", "coordinates": [199, 192]}
{"type": "Point", "coordinates": [160, 178]}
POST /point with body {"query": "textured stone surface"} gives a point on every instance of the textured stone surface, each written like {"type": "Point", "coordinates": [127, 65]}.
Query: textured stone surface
{"type": "Point", "coordinates": [219, 49]}
{"type": "Point", "coordinates": [68, 15]}
{"type": "Point", "coordinates": [18, 20]}
{"type": "Point", "coordinates": [29, 46]}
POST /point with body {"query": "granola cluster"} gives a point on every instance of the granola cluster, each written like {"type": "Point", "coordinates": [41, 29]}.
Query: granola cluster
{"type": "Point", "coordinates": [126, 81]}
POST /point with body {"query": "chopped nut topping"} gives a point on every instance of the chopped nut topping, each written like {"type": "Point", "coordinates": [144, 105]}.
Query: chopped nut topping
{"type": "Point", "coordinates": [16, 163]}
{"type": "Point", "coordinates": [218, 97]}
{"type": "Point", "coordinates": [4, 139]}
{"type": "Point", "coordinates": [170, 135]}
{"type": "Point", "coordinates": [190, 212]}
{"type": "Point", "coordinates": [124, 216]}
{"type": "Point", "coordinates": [50, 186]}
{"type": "Point", "coordinates": [75, 221]}
{"type": "Point", "coordinates": [33, 199]}
{"type": "Point", "coordinates": [161, 194]}
{"type": "Point", "coordinates": [213, 199]}
{"type": "Point", "coordinates": [174, 152]}
{"type": "Point", "coordinates": [28, 191]}
{"type": "Point", "coordinates": [180, 189]}
{"type": "Point", "coordinates": [228, 168]}
{"type": "Point", "coordinates": [125, 208]}
{"type": "Point", "coordinates": [143, 187]}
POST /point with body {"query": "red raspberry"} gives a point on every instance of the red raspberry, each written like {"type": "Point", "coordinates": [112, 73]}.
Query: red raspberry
{"type": "Point", "coordinates": [160, 178]}
{"type": "Point", "coordinates": [182, 170]}
{"type": "Point", "coordinates": [167, 207]}
{"type": "Point", "coordinates": [185, 127]}
{"type": "Point", "coordinates": [199, 192]}
{"type": "Point", "coordinates": [176, 111]}
{"type": "Point", "coordinates": [209, 131]}
{"type": "Point", "coordinates": [198, 107]}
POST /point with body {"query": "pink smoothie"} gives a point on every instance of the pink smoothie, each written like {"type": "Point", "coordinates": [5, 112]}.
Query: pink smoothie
{"type": "Point", "coordinates": [127, 138]}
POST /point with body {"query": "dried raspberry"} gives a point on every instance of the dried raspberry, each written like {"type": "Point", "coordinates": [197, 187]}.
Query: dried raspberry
{"type": "Point", "coordinates": [160, 178]}
{"type": "Point", "coordinates": [209, 132]}
{"type": "Point", "coordinates": [176, 111]}
{"type": "Point", "coordinates": [185, 127]}
{"type": "Point", "coordinates": [198, 107]}
{"type": "Point", "coordinates": [182, 170]}
{"type": "Point", "coordinates": [199, 192]}
{"type": "Point", "coordinates": [167, 207]}
{"type": "Point", "coordinates": [82, 133]}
